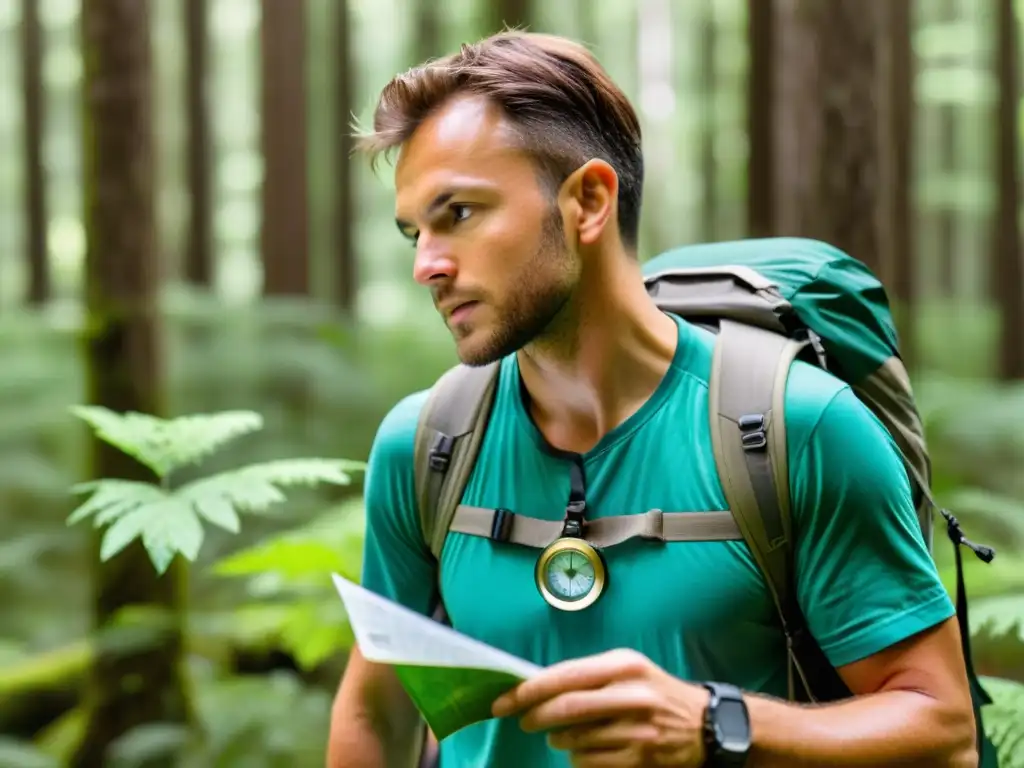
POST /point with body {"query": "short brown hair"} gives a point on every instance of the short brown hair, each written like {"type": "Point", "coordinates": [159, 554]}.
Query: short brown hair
{"type": "Point", "coordinates": [552, 90]}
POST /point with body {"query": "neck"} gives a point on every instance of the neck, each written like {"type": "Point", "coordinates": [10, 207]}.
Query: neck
{"type": "Point", "coordinates": [601, 360]}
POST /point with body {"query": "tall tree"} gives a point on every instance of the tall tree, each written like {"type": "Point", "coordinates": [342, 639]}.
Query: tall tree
{"type": "Point", "coordinates": [508, 13]}
{"type": "Point", "coordinates": [285, 211]}
{"type": "Point", "coordinates": [707, 86]}
{"type": "Point", "coordinates": [760, 125]}
{"type": "Point", "coordinates": [829, 137]}
{"type": "Point", "coordinates": [198, 257]}
{"type": "Point", "coordinates": [137, 677]}
{"type": "Point", "coordinates": [1007, 266]}
{"type": "Point", "coordinates": [345, 265]}
{"type": "Point", "coordinates": [901, 259]}
{"type": "Point", "coordinates": [35, 196]}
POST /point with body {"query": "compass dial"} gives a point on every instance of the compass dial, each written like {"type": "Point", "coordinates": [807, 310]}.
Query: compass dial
{"type": "Point", "coordinates": [570, 574]}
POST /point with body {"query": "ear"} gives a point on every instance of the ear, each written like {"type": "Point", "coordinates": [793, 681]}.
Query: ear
{"type": "Point", "coordinates": [588, 199]}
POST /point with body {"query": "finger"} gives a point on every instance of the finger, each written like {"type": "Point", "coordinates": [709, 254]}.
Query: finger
{"type": "Point", "coordinates": [609, 734]}
{"type": "Point", "coordinates": [576, 674]}
{"type": "Point", "coordinates": [625, 701]}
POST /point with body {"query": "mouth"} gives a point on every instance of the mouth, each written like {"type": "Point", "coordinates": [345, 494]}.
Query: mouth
{"type": "Point", "coordinates": [462, 312]}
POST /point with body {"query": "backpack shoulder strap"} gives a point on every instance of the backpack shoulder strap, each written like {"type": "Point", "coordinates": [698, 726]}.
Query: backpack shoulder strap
{"type": "Point", "coordinates": [448, 435]}
{"type": "Point", "coordinates": [749, 372]}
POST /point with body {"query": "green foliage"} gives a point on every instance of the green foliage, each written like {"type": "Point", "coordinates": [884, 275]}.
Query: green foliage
{"type": "Point", "coordinates": [293, 604]}
{"type": "Point", "coordinates": [170, 521]}
{"type": "Point", "coordinates": [1004, 720]}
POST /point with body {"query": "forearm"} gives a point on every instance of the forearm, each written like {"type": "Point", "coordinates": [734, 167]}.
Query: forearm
{"type": "Point", "coordinates": [359, 740]}
{"type": "Point", "coordinates": [889, 728]}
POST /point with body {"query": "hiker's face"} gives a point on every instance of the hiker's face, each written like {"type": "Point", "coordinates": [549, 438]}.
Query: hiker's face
{"type": "Point", "coordinates": [490, 242]}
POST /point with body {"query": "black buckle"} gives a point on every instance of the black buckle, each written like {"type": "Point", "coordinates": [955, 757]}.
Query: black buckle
{"type": "Point", "coordinates": [441, 453]}
{"type": "Point", "coordinates": [753, 435]}
{"type": "Point", "coordinates": [575, 512]}
{"type": "Point", "coordinates": [501, 524]}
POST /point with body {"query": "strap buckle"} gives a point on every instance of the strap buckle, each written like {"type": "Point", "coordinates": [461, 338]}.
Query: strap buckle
{"type": "Point", "coordinates": [441, 452]}
{"type": "Point", "coordinates": [501, 524]}
{"type": "Point", "coordinates": [753, 437]}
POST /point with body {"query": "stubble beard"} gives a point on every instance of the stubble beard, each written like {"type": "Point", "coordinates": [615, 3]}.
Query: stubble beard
{"type": "Point", "coordinates": [531, 309]}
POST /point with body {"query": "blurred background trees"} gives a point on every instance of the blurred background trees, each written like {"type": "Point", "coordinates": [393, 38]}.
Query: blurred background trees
{"type": "Point", "coordinates": [182, 231]}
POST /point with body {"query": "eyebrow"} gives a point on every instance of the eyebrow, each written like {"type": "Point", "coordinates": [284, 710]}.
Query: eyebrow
{"type": "Point", "coordinates": [439, 201]}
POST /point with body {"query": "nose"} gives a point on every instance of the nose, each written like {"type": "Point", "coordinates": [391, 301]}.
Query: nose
{"type": "Point", "coordinates": [434, 260]}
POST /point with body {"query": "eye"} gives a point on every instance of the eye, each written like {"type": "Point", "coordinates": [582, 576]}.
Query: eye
{"type": "Point", "coordinates": [460, 212]}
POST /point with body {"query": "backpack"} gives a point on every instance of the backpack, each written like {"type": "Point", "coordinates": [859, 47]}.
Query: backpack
{"type": "Point", "coordinates": [769, 302]}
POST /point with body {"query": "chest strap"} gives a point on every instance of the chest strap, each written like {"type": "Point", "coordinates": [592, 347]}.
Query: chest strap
{"type": "Point", "coordinates": [507, 526]}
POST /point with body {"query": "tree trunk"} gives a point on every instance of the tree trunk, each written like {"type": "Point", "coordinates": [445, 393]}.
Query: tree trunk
{"type": "Point", "coordinates": [761, 75]}
{"type": "Point", "coordinates": [508, 13]}
{"type": "Point", "coordinates": [1009, 271]}
{"type": "Point", "coordinates": [901, 258]}
{"type": "Point", "coordinates": [35, 197]}
{"type": "Point", "coordinates": [427, 42]}
{"type": "Point", "coordinates": [198, 258]}
{"type": "Point", "coordinates": [345, 263]}
{"type": "Point", "coordinates": [829, 133]}
{"type": "Point", "coordinates": [285, 214]}
{"type": "Point", "coordinates": [137, 677]}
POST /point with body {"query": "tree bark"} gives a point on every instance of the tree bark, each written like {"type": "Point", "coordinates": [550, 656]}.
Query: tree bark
{"type": "Point", "coordinates": [509, 13]}
{"type": "Point", "coordinates": [136, 678]}
{"type": "Point", "coordinates": [827, 122]}
{"type": "Point", "coordinates": [1009, 270]}
{"type": "Point", "coordinates": [35, 190]}
{"type": "Point", "coordinates": [901, 258]}
{"type": "Point", "coordinates": [346, 263]}
{"type": "Point", "coordinates": [285, 214]}
{"type": "Point", "coordinates": [198, 257]}
{"type": "Point", "coordinates": [761, 89]}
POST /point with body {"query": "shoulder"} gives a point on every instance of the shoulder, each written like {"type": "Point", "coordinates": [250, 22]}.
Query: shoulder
{"type": "Point", "coordinates": [395, 440]}
{"type": "Point", "coordinates": [824, 414]}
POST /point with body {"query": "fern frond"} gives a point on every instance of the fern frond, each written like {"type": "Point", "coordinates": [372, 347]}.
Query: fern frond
{"type": "Point", "coordinates": [164, 445]}
{"type": "Point", "coordinates": [257, 487]}
{"type": "Point", "coordinates": [166, 527]}
{"type": "Point", "coordinates": [1003, 720]}
{"type": "Point", "coordinates": [111, 499]}
{"type": "Point", "coordinates": [999, 615]}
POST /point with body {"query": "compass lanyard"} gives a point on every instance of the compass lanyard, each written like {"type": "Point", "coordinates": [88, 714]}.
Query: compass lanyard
{"type": "Point", "coordinates": [576, 509]}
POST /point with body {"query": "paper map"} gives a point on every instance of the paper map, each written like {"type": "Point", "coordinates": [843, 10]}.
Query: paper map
{"type": "Point", "coordinates": [452, 678]}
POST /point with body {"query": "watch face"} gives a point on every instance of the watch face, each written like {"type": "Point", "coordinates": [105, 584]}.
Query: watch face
{"type": "Point", "coordinates": [570, 575]}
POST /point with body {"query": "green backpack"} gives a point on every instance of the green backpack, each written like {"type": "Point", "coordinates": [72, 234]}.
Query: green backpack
{"type": "Point", "coordinates": [769, 302]}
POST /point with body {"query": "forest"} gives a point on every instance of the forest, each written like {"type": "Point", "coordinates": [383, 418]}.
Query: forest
{"type": "Point", "coordinates": [206, 310]}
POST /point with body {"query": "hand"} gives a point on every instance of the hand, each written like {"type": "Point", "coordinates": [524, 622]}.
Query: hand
{"type": "Point", "coordinates": [612, 709]}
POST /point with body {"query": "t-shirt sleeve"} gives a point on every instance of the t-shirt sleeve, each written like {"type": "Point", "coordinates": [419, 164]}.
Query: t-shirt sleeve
{"type": "Point", "coordinates": [864, 575]}
{"type": "Point", "coordinates": [396, 561]}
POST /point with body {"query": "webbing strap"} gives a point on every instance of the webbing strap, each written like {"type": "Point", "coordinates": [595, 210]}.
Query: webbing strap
{"type": "Point", "coordinates": [750, 367]}
{"type": "Point", "coordinates": [506, 526]}
{"type": "Point", "coordinates": [447, 440]}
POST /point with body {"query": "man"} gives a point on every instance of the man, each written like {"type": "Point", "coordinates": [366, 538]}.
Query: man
{"type": "Point", "coordinates": [518, 185]}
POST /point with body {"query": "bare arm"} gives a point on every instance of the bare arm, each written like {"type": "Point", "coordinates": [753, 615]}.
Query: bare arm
{"type": "Point", "coordinates": [373, 722]}
{"type": "Point", "coordinates": [912, 707]}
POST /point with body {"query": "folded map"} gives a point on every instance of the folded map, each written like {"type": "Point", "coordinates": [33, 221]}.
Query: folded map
{"type": "Point", "coordinates": [452, 678]}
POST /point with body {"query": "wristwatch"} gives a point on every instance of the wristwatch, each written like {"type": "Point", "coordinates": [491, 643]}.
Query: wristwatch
{"type": "Point", "coordinates": [726, 727]}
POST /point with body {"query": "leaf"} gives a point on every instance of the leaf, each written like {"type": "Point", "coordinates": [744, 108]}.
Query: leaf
{"type": "Point", "coordinates": [999, 615]}
{"type": "Point", "coordinates": [112, 499]}
{"type": "Point", "coordinates": [256, 487]}
{"type": "Point", "coordinates": [170, 533]}
{"type": "Point", "coordinates": [1003, 720]}
{"type": "Point", "coordinates": [218, 510]}
{"type": "Point", "coordinates": [164, 445]}
{"type": "Point", "coordinates": [166, 528]}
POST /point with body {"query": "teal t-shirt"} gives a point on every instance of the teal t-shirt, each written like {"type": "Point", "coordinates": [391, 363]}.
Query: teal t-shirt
{"type": "Point", "coordinates": [701, 610]}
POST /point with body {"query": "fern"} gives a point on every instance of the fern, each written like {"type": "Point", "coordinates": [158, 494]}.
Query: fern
{"type": "Point", "coordinates": [1004, 720]}
{"type": "Point", "coordinates": [170, 522]}
{"type": "Point", "coordinates": [165, 445]}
